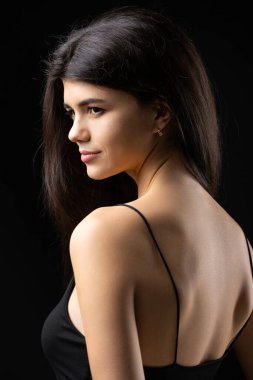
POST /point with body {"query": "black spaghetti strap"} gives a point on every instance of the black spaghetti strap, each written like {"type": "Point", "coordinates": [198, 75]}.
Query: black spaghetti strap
{"type": "Point", "coordinates": [166, 265]}
{"type": "Point", "coordinates": [245, 323]}
{"type": "Point", "coordinates": [239, 332]}
{"type": "Point", "coordinates": [250, 258]}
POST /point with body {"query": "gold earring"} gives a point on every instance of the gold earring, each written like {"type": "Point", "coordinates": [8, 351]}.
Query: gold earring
{"type": "Point", "coordinates": [158, 131]}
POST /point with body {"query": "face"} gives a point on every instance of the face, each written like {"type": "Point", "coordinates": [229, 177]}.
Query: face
{"type": "Point", "coordinates": [114, 131]}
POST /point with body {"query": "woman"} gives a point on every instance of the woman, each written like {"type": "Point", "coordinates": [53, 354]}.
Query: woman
{"type": "Point", "coordinates": [162, 275]}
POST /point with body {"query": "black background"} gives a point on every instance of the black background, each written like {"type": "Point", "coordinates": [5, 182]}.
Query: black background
{"type": "Point", "coordinates": [30, 253]}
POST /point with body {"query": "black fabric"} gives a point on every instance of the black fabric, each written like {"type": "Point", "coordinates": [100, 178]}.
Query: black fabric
{"type": "Point", "coordinates": [65, 347]}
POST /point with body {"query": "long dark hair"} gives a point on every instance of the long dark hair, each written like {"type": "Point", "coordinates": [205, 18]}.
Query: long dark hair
{"type": "Point", "coordinates": [142, 52]}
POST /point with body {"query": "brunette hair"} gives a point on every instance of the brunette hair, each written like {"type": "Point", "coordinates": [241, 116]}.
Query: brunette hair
{"type": "Point", "coordinates": [142, 52]}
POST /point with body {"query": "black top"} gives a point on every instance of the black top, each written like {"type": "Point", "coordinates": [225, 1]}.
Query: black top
{"type": "Point", "coordinates": [65, 347]}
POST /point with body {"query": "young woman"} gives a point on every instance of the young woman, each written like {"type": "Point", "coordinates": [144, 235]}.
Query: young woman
{"type": "Point", "coordinates": [161, 286]}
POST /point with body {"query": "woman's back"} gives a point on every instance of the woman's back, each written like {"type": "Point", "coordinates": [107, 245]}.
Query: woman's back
{"type": "Point", "coordinates": [191, 314]}
{"type": "Point", "coordinates": [207, 256]}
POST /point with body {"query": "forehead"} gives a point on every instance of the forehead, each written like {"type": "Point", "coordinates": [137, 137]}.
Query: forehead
{"type": "Point", "coordinates": [77, 91]}
{"type": "Point", "coordinates": [76, 88]}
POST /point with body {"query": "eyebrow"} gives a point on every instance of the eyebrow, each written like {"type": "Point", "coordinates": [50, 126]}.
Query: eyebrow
{"type": "Point", "coordinates": [86, 102]}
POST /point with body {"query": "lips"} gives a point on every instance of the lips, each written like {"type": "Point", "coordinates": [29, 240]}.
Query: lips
{"type": "Point", "coordinates": [89, 152]}
{"type": "Point", "coordinates": [87, 156]}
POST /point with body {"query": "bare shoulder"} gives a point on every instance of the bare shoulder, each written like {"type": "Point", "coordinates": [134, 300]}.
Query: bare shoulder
{"type": "Point", "coordinates": [105, 263]}
{"type": "Point", "coordinates": [109, 225]}
{"type": "Point", "coordinates": [114, 214]}
{"type": "Point", "coordinates": [110, 236]}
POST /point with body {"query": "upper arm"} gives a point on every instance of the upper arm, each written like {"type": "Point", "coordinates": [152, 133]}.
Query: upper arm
{"type": "Point", "coordinates": [104, 265]}
{"type": "Point", "coordinates": [243, 346]}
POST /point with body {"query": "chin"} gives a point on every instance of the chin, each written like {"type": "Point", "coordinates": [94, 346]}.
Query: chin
{"type": "Point", "coordinates": [99, 174]}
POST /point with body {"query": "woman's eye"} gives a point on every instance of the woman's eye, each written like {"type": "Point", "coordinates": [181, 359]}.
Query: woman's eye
{"type": "Point", "coordinates": [95, 110]}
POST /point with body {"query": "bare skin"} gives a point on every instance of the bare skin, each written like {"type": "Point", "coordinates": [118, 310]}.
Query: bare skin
{"type": "Point", "coordinates": [124, 302]}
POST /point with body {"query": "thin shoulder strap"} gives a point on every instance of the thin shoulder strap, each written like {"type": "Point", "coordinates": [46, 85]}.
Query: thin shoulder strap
{"type": "Point", "coordinates": [250, 258]}
{"type": "Point", "coordinates": [166, 265]}
{"type": "Point", "coordinates": [247, 320]}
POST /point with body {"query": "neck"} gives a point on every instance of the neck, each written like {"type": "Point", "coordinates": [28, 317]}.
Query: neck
{"type": "Point", "coordinates": [157, 167]}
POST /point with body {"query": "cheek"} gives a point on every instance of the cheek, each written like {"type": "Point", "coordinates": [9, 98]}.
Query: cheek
{"type": "Point", "coordinates": [127, 133]}
{"type": "Point", "coordinates": [125, 138]}
{"type": "Point", "coordinates": [123, 145]}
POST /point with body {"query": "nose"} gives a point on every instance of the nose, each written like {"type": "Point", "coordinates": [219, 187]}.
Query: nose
{"type": "Point", "coordinates": [78, 132]}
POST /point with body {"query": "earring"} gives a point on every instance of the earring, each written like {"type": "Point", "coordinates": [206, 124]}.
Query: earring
{"type": "Point", "coordinates": [158, 132]}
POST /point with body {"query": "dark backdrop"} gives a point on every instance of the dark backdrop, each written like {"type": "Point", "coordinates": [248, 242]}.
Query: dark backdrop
{"type": "Point", "coordinates": [30, 253]}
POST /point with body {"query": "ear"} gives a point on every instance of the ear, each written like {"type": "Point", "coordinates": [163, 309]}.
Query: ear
{"type": "Point", "coordinates": [162, 115]}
